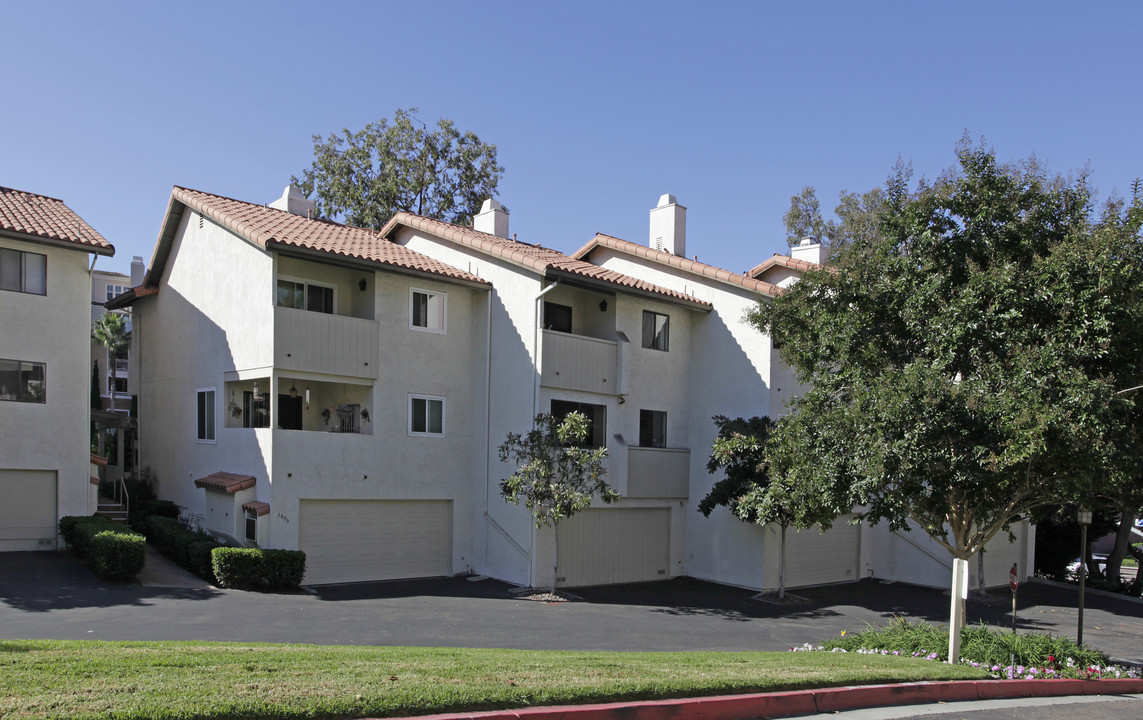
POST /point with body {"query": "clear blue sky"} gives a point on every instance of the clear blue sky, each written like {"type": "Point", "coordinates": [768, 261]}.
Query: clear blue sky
{"type": "Point", "coordinates": [597, 108]}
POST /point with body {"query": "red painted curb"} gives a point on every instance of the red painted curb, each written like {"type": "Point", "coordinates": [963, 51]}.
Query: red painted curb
{"type": "Point", "coordinates": [801, 702]}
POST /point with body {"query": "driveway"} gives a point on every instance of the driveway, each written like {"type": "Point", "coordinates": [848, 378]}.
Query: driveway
{"type": "Point", "coordinates": [51, 595]}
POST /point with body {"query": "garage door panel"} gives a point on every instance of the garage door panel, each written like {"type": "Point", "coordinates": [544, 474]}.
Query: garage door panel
{"type": "Point", "coordinates": [28, 512]}
{"type": "Point", "coordinates": [816, 558]}
{"type": "Point", "coordinates": [361, 540]}
{"type": "Point", "coordinates": [608, 546]}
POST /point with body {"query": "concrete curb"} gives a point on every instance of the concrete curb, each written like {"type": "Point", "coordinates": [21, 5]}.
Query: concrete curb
{"type": "Point", "coordinates": [804, 702]}
{"type": "Point", "coordinates": [1087, 590]}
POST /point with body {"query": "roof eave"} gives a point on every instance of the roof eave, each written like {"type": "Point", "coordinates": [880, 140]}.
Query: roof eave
{"type": "Point", "coordinates": [60, 243]}
{"type": "Point", "coordinates": [613, 287]}
{"type": "Point", "coordinates": [365, 264]}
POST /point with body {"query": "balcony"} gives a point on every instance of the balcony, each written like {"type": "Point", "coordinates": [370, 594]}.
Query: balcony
{"type": "Point", "coordinates": [307, 341]}
{"type": "Point", "coordinates": [658, 472]}
{"type": "Point", "coordinates": [578, 362]}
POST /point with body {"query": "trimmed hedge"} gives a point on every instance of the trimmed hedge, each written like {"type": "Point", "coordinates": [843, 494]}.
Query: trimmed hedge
{"type": "Point", "coordinates": [189, 548]}
{"type": "Point", "coordinates": [112, 551]}
{"type": "Point", "coordinates": [256, 569]}
{"type": "Point", "coordinates": [144, 509]}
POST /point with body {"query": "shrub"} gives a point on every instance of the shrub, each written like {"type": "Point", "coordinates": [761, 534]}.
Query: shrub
{"type": "Point", "coordinates": [143, 510]}
{"type": "Point", "coordinates": [255, 569]}
{"type": "Point", "coordinates": [118, 555]}
{"type": "Point", "coordinates": [189, 548]}
{"type": "Point", "coordinates": [979, 643]}
{"type": "Point", "coordinates": [112, 551]}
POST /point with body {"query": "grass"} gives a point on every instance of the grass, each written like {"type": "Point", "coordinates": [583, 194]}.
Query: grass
{"type": "Point", "coordinates": [77, 679]}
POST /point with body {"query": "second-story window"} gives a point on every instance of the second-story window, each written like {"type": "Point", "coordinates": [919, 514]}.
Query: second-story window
{"type": "Point", "coordinates": [557, 317]}
{"type": "Point", "coordinates": [652, 428]}
{"type": "Point", "coordinates": [656, 330]}
{"type": "Point", "coordinates": [302, 295]}
{"type": "Point", "coordinates": [22, 381]}
{"type": "Point", "coordinates": [427, 310]}
{"type": "Point", "coordinates": [24, 272]}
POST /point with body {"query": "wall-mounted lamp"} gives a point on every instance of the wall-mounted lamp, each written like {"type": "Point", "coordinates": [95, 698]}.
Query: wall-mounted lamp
{"type": "Point", "coordinates": [257, 396]}
{"type": "Point", "coordinates": [361, 284]}
{"type": "Point", "coordinates": [603, 306]}
{"type": "Point", "coordinates": [293, 391]}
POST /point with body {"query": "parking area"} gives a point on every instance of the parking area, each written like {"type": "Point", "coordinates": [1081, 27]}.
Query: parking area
{"type": "Point", "coordinates": [51, 595]}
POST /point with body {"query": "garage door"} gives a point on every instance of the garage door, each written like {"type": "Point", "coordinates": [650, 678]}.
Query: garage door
{"type": "Point", "coordinates": [603, 547]}
{"type": "Point", "coordinates": [28, 511]}
{"type": "Point", "coordinates": [814, 558]}
{"type": "Point", "coordinates": [360, 540]}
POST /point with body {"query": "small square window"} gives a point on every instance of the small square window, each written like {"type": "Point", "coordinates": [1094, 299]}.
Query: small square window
{"type": "Point", "coordinates": [206, 415]}
{"type": "Point", "coordinates": [656, 330]}
{"type": "Point", "coordinates": [426, 415]}
{"type": "Point", "coordinates": [427, 311]}
{"type": "Point", "coordinates": [652, 428]}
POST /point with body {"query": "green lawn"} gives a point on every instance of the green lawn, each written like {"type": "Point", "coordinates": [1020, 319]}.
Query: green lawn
{"type": "Point", "coordinates": [47, 678]}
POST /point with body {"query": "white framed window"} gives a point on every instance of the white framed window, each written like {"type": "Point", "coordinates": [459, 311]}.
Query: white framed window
{"type": "Point", "coordinates": [426, 415]}
{"type": "Point", "coordinates": [656, 330]}
{"type": "Point", "coordinates": [428, 310]}
{"type": "Point", "coordinates": [652, 428]}
{"type": "Point", "coordinates": [113, 290]}
{"type": "Point", "coordinates": [25, 272]}
{"type": "Point", "coordinates": [205, 415]}
{"type": "Point", "coordinates": [305, 295]}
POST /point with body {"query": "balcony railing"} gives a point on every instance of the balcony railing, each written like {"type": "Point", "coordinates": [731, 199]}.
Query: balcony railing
{"type": "Point", "coordinates": [658, 472]}
{"type": "Point", "coordinates": [320, 343]}
{"type": "Point", "coordinates": [578, 362]}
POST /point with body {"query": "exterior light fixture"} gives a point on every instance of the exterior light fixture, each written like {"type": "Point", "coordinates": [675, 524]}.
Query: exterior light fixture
{"type": "Point", "coordinates": [293, 391]}
{"type": "Point", "coordinates": [603, 306]}
{"type": "Point", "coordinates": [361, 284]}
{"type": "Point", "coordinates": [257, 395]}
{"type": "Point", "coordinates": [1084, 519]}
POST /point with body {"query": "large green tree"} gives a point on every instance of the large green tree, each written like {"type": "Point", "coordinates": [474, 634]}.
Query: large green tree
{"type": "Point", "coordinates": [110, 330]}
{"type": "Point", "coordinates": [364, 177]}
{"type": "Point", "coordinates": [967, 361]}
{"type": "Point", "coordinates": [557, 473]}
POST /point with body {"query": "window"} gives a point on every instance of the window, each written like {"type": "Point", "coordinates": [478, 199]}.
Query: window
{"type": "Point", "coordinates": [427, 311]}
{"type": "Point", "coordinates": [113, 290]}
{"type": "Point", "coordinates": [426, 415]}
{"type": "Point", "coordinates": [305, 296]}
{"type": "Point", "coordinates": [652, 428]}
{"type": "Point", "coordinates": [22, 381]}
{"type": "Point", "coordinates": [206, 415]}
{"type": "Point", "coordinates": [255, 410]}
{"type": "Point", "coordinates": [656, 329]}
{"type": "Point", "coordinates": [557, 317]}
{"type": "Point", "coordinates": [289, 412]}
{"type": "Point", "coordinates": [596, 416]}
{"type": "Point", "coordinates": [23, 272]}
{"type": "Point", "coordinates": [251, 532]}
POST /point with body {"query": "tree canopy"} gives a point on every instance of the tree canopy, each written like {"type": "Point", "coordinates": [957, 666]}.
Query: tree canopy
{"type": "Point", "coordinates": [966, 360]}
{"type": "Point", "coordinates": [364, 177]}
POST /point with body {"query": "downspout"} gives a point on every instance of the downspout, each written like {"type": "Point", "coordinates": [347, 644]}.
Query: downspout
{"type": "Point", "coordinates": [487, 422]}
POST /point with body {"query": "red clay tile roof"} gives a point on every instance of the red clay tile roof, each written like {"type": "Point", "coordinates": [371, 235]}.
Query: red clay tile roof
{"type": "Point", "coordinates": [45, 218]}
{"type": "Point", "coordinates": [97, 460]}
{"type": "Point", "coordinates": [267, 226]}
{"type": "Point", "coordinates": [128, 297]}
{"type": "Point", "coordinates": [536, 257]}
{"type": "Point", "coordinates": [225, 482]}
{"type": "Point", "coordinates": [783, 261]}
{"type": "Point", "coordinates": [260, 508]}
{"type": "Point", "coordinates": [94, 480]}
{"type": "Point", "coordinates": [665, 258]}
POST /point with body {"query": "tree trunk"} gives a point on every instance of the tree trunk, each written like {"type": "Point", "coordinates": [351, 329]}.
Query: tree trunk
{"type": "Point", "coordinates": [111, 388]}
{"type": "Point", "coordinates": [1122, 540]}
{"type": "Point", "coordinates": [556, 562]}
{"type": "Point", "coordinates": [980, 571]}
{"type": "Point", "coordinates": [782, 565]}
{"type": "Point", "coordinates": [1089, 560]}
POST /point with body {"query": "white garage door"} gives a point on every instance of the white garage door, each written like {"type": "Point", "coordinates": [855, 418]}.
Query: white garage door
{"type": "Point", "coordinates": [620, 545]}
{"type": "Point", "coordinates": [28, 510]}
{"type": "Point", "coordinates": [814, 558]}
{"type": "Point", "coordinates": [360, 540]}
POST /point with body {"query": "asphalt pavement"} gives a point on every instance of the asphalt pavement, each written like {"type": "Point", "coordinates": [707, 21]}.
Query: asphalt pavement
{"type": "Point", "coordinates": [52, 595]}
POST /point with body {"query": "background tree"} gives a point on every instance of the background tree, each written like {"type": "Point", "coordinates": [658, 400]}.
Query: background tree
{"type": "Point", "coordinates": [749, 489]}
{"type": "Point", "coordinates": [364, 177]}
{"type": "Point", "coordinates": [964, 362]}
{"type": "Point", "coordinates": [556, 474]}
{"type": "Point", "coordinates": [110, 330]}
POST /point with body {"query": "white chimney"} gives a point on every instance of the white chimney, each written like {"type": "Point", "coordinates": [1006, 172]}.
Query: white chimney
{"type": "Point", "coordinates": [669, 226]}
{"type": "Point", "coordinates": [138, 270]}
{"type": "Point", "coordinates": [492, 219]}
{"type": "Point", "coordinates": [809, 250]}
{"type": "Point", "coordinates": [292, 201]}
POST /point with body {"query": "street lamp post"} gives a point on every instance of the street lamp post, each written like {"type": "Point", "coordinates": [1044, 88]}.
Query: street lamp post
{"type": "Point", "coordinates": [1084, 518]}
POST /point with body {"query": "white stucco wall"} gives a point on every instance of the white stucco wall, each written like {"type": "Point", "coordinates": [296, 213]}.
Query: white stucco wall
{"type": "Point", "coordinates": [53, 329]}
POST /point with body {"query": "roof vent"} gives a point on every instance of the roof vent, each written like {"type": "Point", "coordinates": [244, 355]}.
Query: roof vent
{"type": "Point", "coordinates": [492, 219]}
{"type": "Point", "coordinates": [294, 202]}
{"type": "Point", "coordinates": [669, 226]}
